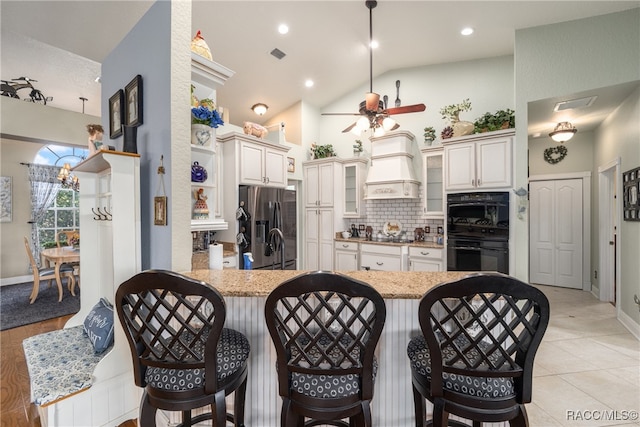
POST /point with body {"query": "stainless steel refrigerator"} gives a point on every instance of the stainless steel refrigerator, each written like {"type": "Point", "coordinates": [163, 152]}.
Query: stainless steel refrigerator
{"type": "Point", "coordinates": [267, 219]}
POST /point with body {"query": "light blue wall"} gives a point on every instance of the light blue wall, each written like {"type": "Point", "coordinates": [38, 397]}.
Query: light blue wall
{"type": "Point", "coordinates": [145, 51]}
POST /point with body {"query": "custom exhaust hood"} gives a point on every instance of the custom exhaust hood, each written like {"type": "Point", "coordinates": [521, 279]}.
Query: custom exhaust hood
{"type": "Point", "coordinates": [391, 173]}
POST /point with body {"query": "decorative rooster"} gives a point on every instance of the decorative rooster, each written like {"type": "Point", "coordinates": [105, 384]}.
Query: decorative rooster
{"type": "Point", "coordinates": [200, 46]}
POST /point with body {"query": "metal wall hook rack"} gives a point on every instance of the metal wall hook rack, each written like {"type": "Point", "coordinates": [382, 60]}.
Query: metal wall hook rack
{"type": "Point", "coordinates": [100, 215]}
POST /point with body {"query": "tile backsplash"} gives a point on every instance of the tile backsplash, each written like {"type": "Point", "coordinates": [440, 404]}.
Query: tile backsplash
{"type": "Point", "coordinates": [407, 212]}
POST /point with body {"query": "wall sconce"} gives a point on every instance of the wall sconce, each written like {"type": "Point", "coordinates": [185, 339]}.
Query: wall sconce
{"type": "Point", "coordinates": [563, 132]}
{"type": "Point", "coordinates": [260, 108]}
{"type": "Point", "coordinates": [67, 180]}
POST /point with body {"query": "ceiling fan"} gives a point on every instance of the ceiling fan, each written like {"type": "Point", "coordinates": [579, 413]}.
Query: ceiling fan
{"type": "Point", "coordinates": [374, 113]}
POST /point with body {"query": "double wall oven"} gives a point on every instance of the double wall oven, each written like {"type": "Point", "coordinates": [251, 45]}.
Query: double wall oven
{"type": "Point", "coordinates": [478, 232]}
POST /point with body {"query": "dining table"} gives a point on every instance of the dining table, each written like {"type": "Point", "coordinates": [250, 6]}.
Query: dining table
{"type": "Point", "coordinates": [59, 256]}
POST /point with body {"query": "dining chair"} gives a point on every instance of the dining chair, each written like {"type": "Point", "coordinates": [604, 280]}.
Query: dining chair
{"type": "Point", "coordinates": [475, 356]}
{"type": "Point", "coordinates": [182, 354]}
{"type": "Point", "coordinates": [46, 273]}
{"type": "Point", "coordinates": [325, 327]}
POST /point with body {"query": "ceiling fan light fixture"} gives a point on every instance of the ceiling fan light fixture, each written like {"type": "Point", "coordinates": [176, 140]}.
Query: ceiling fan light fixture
{"type": "Point", "coordinates": [260, 108]}
{"type": "Point", "coordinates": [363, 123]}
{"type": "Point", "coordinates": [378, 131]}
{"type": "Point", "coordinates": [563, 132]}
{"type": "Point", "coordinates": [388, 123]}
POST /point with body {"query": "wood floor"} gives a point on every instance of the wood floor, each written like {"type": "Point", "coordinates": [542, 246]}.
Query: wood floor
{"type": "Point", "coordinates": [17, 409]}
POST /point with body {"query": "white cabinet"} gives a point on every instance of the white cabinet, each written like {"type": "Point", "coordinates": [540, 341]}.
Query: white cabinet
{"type": "Point", "coordinates": [346, 256]}
{"type": "Point", "coordinates": [262, 165]}
{"type": "Point", "coordinates": [432, 182]}
{"type": "Point", "coordinates": [382, 257]}
{"type": "Point", "coordinates": [425, 259]}
{"type": "Point", "coordinates": [319, 239]}
{"type": "Point", "coordinates": [478, 162]}
{"type": "Point", "coordinates": [323, 206]}
{"type": "Point", "coordinates": [354, 177]}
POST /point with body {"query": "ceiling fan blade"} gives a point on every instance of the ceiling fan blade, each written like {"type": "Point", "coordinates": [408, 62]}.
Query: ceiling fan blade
{"type": "Point", "coordinates": [350, 127]}
{"type": "Point", "coordinates": [340, 114]}
{"type": "Point", "coordinates": [416, 108]}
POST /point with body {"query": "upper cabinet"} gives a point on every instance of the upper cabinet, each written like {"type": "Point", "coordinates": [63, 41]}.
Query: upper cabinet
{"type": "Point", "coordinates": [321, 179]}
{"type": "Point", "coordinates": [479, 161]}
{"type": "Point", "coordinates": [432, 182]}
{"type": "Point", "coordinates": [263, 164]}
{"type": "Point", "coordinates": [205, 77]}
{"type": "Point", "coordinates": [354, 177]}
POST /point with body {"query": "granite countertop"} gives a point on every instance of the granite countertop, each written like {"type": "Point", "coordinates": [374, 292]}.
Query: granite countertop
{"type": "Point", "coordinates": [415, 244]}
{"type": "Point", "coordinates": [259, 283]}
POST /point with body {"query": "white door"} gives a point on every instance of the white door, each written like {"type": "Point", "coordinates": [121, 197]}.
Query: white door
{"type": "Point", "coordinates": [556, 233]}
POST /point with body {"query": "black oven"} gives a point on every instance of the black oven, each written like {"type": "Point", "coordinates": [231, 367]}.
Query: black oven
{"type": "Point", "coordinates": [478, 232]}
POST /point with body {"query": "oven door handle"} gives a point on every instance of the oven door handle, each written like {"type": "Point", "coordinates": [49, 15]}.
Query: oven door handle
{"type": "Point", "coordinates": [467, 248]}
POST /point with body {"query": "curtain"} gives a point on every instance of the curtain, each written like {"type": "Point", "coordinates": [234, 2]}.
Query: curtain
{"type": "Point", "coordinates": [44, 186]}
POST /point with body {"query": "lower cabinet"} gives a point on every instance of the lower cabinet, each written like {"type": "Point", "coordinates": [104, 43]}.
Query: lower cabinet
{"type": "Point", "coordinates": [425, 259]}
{"type": "Point", "coordinates": [320, 234]}
{"type": "Point", "coordinates": [346, 254]}
{"type": "Point", "coordinates": [383, 258]}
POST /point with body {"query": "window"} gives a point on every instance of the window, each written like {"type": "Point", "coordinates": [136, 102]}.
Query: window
{"type": "Point", "coordinates": [64, 213]}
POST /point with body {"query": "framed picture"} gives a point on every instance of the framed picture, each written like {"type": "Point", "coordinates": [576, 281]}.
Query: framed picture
{"type": "Point", "coordinates": [631, 194]}
{"type": "Point", "coordinates": [116, 104]}
{"type": "Point", "coordinates": [6, 210]}
{"type": "Point", "coordinates": [160, 210]}
{"type": "Point", "coordinates": [291, 164]}
{"type": "Point", "coordinates": [133, 98]}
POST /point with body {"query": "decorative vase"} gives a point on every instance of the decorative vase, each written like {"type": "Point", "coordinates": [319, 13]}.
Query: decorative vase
{"type": "Point", "coordinates": [201, 134]}
{"type": "Point", "coordinates": [428, 141]}
{"type": "Point", "coordinates": [461, 127]}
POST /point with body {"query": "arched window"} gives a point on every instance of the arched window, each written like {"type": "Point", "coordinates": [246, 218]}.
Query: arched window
{"type": "Point", "coordinates": [64, 213]}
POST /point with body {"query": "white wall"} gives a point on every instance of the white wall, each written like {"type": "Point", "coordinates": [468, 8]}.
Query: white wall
{"type": "Point", "coordinates": [579, 155]}
{"type": "Point", "coordinates": [570, 57]}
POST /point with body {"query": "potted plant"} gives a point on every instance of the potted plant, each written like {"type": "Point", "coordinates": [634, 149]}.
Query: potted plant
{"type": "Point", "coordinates": [203, 118]}
{"type": "Point", "coordinates": [322, 151]}
{"type": "Point", "coordinates": [452, 112]}
{"type": "Point", "coordinates": [429, 135]}
{"type": "Point", "coordinates": [357, 147]}
{"type": "Point", "coordinates": [501, 119]}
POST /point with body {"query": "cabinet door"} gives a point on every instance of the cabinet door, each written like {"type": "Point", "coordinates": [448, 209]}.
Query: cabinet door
{"type": "Point", "coordinates": [346, 261]}
{"type": "Point", "coordinates": [460, 166]}
{"type": "Point", "coordinates": [275, 168]}
{"type": "Point", "coordinates": [311, 186]}
{"type": "Point", "coordinates": [425, 264]}
{"type": "Point", "coordinates": [379, 262]}
{"type": "Point", "coordinates": [493, 163]}
{"type": "Point", "coordinates": [251, 164]}
{"type": "Point", "coordinates": [326, 185]}
{"type": "Point", "coordinates": [327, 234]}
{"type": "Point", "coordinates": [353, 179]}
{"type": "Point", "coordinates": [312, 239]}
{"type": "Point", "coordinates": [433, 186]}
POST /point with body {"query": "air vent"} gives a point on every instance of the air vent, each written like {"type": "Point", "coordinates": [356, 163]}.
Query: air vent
{"type": "Point", "coordinates": [278, 53]}
{"type": "Point", "coordinates": [575, 103]}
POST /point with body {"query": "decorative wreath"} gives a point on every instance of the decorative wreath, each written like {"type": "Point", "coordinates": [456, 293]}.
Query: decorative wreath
{"type": "Point", "coordinates": [555, 155]}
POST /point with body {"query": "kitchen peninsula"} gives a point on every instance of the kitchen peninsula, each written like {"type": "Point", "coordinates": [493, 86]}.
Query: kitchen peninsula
{"type": "Point", "coordinates": [245, 292]}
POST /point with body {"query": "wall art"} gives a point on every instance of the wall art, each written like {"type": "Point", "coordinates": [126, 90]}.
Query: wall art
{"type": "Point", "coordinates": [631, 195]}
{"type": "Point", "coordinates": [116, 105]}
{"type": "Point", "coordinates": [133, 106]}
{"type": "Point", "coordinates": [6, 209]}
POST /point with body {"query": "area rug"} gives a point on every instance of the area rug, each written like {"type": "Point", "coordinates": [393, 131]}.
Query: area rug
{"type": "Point", "coordinates": [15, 309]}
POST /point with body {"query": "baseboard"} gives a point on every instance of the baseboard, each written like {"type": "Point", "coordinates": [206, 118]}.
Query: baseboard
{"type": "Point", "coordinates": [629, 323]}
{"type": "Point", "coordinates": [14, 280]}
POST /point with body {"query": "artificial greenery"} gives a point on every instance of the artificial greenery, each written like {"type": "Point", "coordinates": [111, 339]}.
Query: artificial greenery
{"type": "Point", "coordinates": [501, 119]}
{"type": "Point", "coordinates": [429, 134]}
{"type": "Point", "coordinates": [451, 112]}
{"type": "Point", "coordinates": [357, 147]}
{"type": "Point", "coordinates": [553, 155]}
{"type": "Point", "coordinates": [322, 151]}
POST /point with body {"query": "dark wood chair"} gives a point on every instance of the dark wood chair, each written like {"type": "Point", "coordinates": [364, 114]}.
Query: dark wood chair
{"type": "Point", "coordinates": [475, 358]}
{"type": "Point", "coordinates": [182, 355]}
{"type": "Point", "coordinates": [325, 328]}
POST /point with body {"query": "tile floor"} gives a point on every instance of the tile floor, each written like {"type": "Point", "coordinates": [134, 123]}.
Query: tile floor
{"type": "Point", "coordinates": [587, 370]}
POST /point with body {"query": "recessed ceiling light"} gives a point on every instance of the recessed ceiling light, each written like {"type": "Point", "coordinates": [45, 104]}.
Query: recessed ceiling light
{"type": "Point", "coordinates": [374, 44]}
{"type": "Point", "coordinates": [467, 31]}
{"type": "Point", "coordinates": [309, 83]}
{"type": "Point", "coordinates": [283, 28]}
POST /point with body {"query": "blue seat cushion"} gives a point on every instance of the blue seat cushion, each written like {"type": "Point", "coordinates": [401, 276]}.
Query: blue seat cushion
{"type": "Point", "coordinates": [64, 268]}
{"type": "Point", "coordinates": [482, 387]}
{"type": "Point", "coordinates": [232, 354]}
